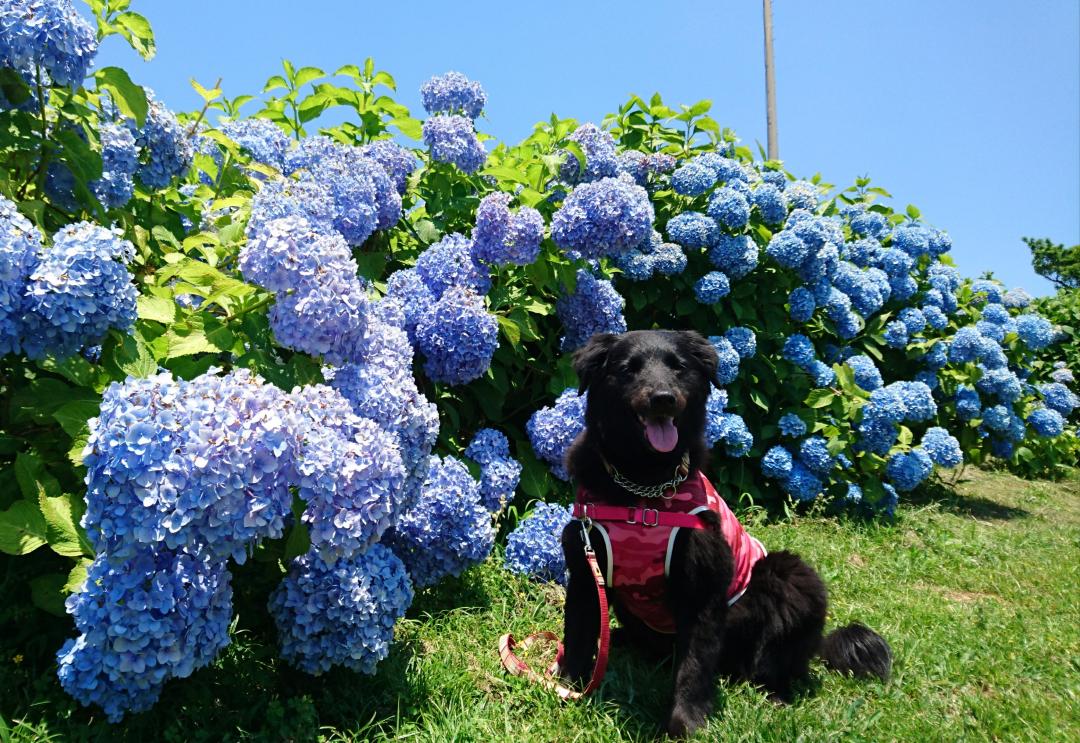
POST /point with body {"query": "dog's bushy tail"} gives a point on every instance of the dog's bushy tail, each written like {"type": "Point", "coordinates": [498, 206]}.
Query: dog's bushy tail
{"type": "Point", "coordinates": [857, 650]}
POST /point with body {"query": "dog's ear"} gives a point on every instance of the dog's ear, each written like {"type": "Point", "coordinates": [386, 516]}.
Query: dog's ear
{"type": "Point", "coordinates": [589, 360]}
{"type": "Point", "coordinates": [702, 351]}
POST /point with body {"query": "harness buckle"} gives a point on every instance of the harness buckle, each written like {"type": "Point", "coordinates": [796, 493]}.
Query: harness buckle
{"type": "Point", "coordinates": [586, 525]}
{"type": "Point", "coordinates": [645, 517]}
{"type": "Point", "coordinates": [631, 515]}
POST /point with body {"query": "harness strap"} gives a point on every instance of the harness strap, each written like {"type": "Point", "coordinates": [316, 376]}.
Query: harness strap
{"type": "Point", "coordinates": [637, 515]}
{"type": "Point", "coordinates": [518, 667]}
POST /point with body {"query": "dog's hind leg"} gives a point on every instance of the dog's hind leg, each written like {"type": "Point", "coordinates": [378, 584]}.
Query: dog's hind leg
{"type": "Point", "coordinates": [581, 629]}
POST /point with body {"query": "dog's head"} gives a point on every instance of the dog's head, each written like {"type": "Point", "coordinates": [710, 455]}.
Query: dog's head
{"type": "Point", "coordinates": [647, 388]}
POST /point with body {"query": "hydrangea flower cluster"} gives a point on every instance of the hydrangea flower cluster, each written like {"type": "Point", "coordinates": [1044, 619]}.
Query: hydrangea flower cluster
{"type": "Point", "coordinates": [448, 530]}
{"type": "Point", "coordinates": [502, 238]}
{"type": "Point", "coordinates": [603, 218]}
{"type": "Point", "coordinates": [398, 162]}
{"type": "Point", "coordinates": [457, 336]}
{"type": "Point", "coordinates": [553, 429]}
{"type": "Point", "coordinates": [340, 613]}
{"type": "Point", "coordinates": [452, 139]}
{"type": "Point", "coordinates": [727, 428]}
{"type": "Point", "coordinates": [50, 34]}
{"type": "Point", "coordinates": [598, 148]}
{"type": "Point", "coordinates": [165, 149]}
{"type": "Point", "coordinates": [453, 93]}
{"type": "Point", "coordinates": [119, 161]}
{"type": "Point", "coordinates": [534, 548]}
{"type": "Point", "coordinates": [20, 242]}
{"type": "Point", "coordinates": [499, 472]}
{"type": "Point", "coordinates": [262, 139]}
{"type": "Point", "coordinates": [78, 291]}
{"type": "Point", "coordinates": [593, 307]}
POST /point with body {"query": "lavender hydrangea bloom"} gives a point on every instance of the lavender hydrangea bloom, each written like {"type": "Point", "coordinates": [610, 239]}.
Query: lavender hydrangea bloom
{"type": "Point", "coordinates": [341, 613]}
{"type": "Point", "coordinates": [635, 165]}
{"type": "Point", "coordinates": [735, 255]}
{"type": "Point", "coordinates": [693, 178]}
{"type": "Point", "coordinates": [487, 446]}
{"type": "Point", "coordinates": [262, 139]}
{"type": "Point", "coordinates": [453, 93]}
{"type": "Point", "coordinates": [457, 336]}
{"type": "Point", "coordinates": [49, 34]}
{"type": "Point", "coordinates": [659, 163]}
{"type": "Point", "coordinates": [452, 139]}
{"type": "Point", "coordinates": [287, 254]}
{"type": "Point", "coordinates": [20, 242]}
{"type": "Point", "coordinates": [593, 307]}
{"type": "Point", "coordinates": [412, 293]}
{"type": "Point", "coordinates": [712, 287]}
{"type": "Point", "coordinates": [118, 165]}
{"type": "Point", "coordinates": [771, 204]}
{"type": "Point", "coordinates": [502, 238]}
{"type": "Point", "coordinates": [693, 230]}
{"type": "Point", "coordinates": [448, 530]}
{"type": "Point", "coordinates": [553, 429]}
{"type": "Point", "coordinates": [450, 263]}
{"type": "Point", "coordinates": [1017, 298]}
{"type": "Point", "coordinates": [289, 198]}
{"type": "Point", "coordinates": [398, 162]}
{"type": "Point", "coordinates": [324, 317]}
{"type": "Point", "coordinates": [1059, 397]}
{"type": "Point", "coordinates": [603, 218]}
{"type": "Point", "coordinates": [78, 292]}
{"type": "Point", "coordinates": [534, 548]}
{"type": "Point", "coordinates": [598, 148]}
{"type": "Point", "coordinates": [143, 620]}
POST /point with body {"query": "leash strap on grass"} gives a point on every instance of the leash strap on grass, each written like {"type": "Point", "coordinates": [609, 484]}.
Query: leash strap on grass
{"type": "Point", "coordinates": [549, 679]}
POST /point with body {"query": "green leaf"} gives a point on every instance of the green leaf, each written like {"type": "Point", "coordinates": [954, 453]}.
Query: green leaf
{"type": "Point", "coordinates": [22, 528]}
{"type": "Point", "coordinates": [913, 211]}
{"type": "Point", "coordinates": [128, 97]}
{"type": "Point", "coordinates": [47, 592]}
{"type": "Point", "coordinates": [158, 309]}
{"type": "Point", "coordinates": [275, 83]}
{"type": "Point", "coordinates": [820, 398]}
{"type": "Point", "coordinates": [298, 542]}
{"type": "Point", "coordinates": [73, 416]}
{"type": "Point", "coordinates": [205, 94]}
{"type": "Point", "coordinates": [136, 29]}
{"type": "Point", "coordinates": [128, 354]}
{"type": "Point", "coordinates": [13, 87]}
{"type": "Point", "coordinates": [77, 577]}
{"type": "Point", "coordinates": [62, 529]}
{"type": "Point", "coordinates": [32, 477]}
{"type": "Point", "coordinates": [306, 74]}
{"type": "Point", "coordinates": [410, 127]}
{"type": "Point", "coordinates": [510, 329]}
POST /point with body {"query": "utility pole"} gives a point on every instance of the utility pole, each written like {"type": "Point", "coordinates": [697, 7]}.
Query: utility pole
{"type": "Point", "coordinates": [770, 85]}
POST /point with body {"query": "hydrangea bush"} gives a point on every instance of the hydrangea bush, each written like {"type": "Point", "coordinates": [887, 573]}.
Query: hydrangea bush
{"type": "Point", "coordinates": [339, 355]}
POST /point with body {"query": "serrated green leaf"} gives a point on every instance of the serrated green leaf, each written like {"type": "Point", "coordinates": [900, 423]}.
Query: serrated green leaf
{"type": "Point", "coordinates": [77, 576]}
{"type": "Point", "coordinates": [32, 476]}
{"type": "Point", "coordinates": [410, 127]}
{"type": "Point", "coordinates": [22, 528]}
{"type": "Point", "coordinates": [138, 33]}
{"type": "Point", "coordinates": [128, 97]}
{"type": "Point", "coordinates": [158, 309]}
{"type": "Point", "coordinates": [62, 530]}
{"type": "Point", "coordinates": [820, 398]}
{"type": "Point", "coordinates": [510, 330]}
{"type": "Point", "coordinates": [74, 415]}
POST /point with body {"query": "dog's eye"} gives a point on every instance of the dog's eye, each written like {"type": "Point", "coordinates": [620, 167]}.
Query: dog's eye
{"type": "Point", "coordinates": [633, 364]}
{"type": "Point", "coordinates": [674, 362]}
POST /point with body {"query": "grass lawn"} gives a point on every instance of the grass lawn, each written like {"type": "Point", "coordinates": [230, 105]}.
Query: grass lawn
{"type": "Point", "coordinates": [977, 592]}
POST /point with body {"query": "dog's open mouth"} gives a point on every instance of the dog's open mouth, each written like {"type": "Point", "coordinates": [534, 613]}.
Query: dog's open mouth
{"type": "Point", "coordinates": [660, 432]}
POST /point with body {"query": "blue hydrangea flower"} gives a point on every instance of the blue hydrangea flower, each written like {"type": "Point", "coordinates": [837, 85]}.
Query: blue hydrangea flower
{"type": "Point", "coordinates": [913, 239]}
{"type": "Point", "coordinates": [150, 617]}
{"type": "Point", "coordinates": [814, 453]}
{"type": "Point", "coordinates": [906, 470]}
{"type": "Point", "coordinates": [598, 147]}
{"type": "Point", "coordinates": [324, 317]}
{"type": "Point", "coordinates": [913, 319]}
{"type": "Point", "coordinates": [865, 253]}
{"type": "Point", "coordinates": [78, 291]}
{"type": "Point", "coordinates": [553, 429]}
{"type": "Point", "coordinates": [119, 162]}
{"type": "Point", "coordinates": [450, 263]}
{"type": "Point", "coordinates": [20, 242]}
{"type": "Point", "coordinates": [715, 422]}
{"type": "Point", "coordinates": [262, 139]}
{"type": "Point", "coordinates": [452, 139]}
{"type": "Point", "coordinates": [896, 334]}
{"type": "Point", "coordinates": [534, 548]}
{"type": "Point", "coordinates": [398, 162]}
{"type": "Point", "coordinates": [669, 260]}
{"type": "Point", "coordinates": [693, 178]}
{"type": "Point", "coordinates": [866, 372]}
{"type": "Point", "coordinates": [801, 302]}
{"type": "Point", "coordinates": [487, 446]}
{"type": "Point", "coordinates": [801, 483]}
{"type": "Point", "coordinates": [787, 249]}
{"type": "Point", "coordinates": [987, 290]}
{"type": "Point", "coordinates": [730, 208]}
{"type": "Point", "coordinates": [448, 530]}
{"type": "Point", "coordinates": [289, 198]}
{"type": "Point", "coordinates": [412, 294]}
{"type": "Point", "coordinates": [942, 447]}
{"type": "Point", "coordinates": [1000, 383]}
{"type": "Point", "coordinates": [165, 148]}
{"type": "Point", "coordinates": [799, 350]}
{"type": "Point", "coordinates": [693, 230]}
{"type": "Point", "coordinates": [777, 463]}
{"type": "Point", "coordinates": [727, 369]}
{"type": "Point", "coordinates": [1035, 331]}
{"type": "Point", "coordinates": [603, 218]}
{"type": "Point", "coordinates": [49, 33]}
{"type": "Point", "coordinates": [917, 399]}
{"type": "Point", "coordinates": [965, 345]}
{"type": "Point", "coordinates": [453, 93]}
{"type": "Point", "coordinates": [593, 307]}
{"type": "Point", "coordinates": [968, 403]}
{"type": "Point", "coordinates": [1059, 397]}
{"type": "Point", "coordinates": [287, 254]}
{"type": "Point", "coordinates": [498, 482]}
{"type": "Point", "coordinates": [502, 238]}
{"type": "Point", "coordinates": [792, 425]}
{"type": "Point", "coordinates": [771, 204]}
{"type": "Point", "coordinates": [867, 223]}
{"type": "Point", "coordinates": [775, 178]}
{"type": "Point", "coordinates": [1063, 375]}
{"type": "Point", "coordinates": [802, 195]}
{"type": "Point", "coordinates": [1047, 422]}
{"type": "Point", "coordinates": [712, 287]}
{"type": "Point", "coordinates": [935, 318]}
{"type": "Point", "coordinates": [341, 613]}
{"type": "Point", "coordinates": [735, 435]}
{"type": "Point", "coordinates": [659, 163]}
{"type": "Point", "coordinates": [735, 255]}
{"type": "Point", "coordinates": [458, 337]}
{"type": "Point", "coordinates": [635, 165]}
{"type": "Point", "coordinates": [937, 356]}
{"type": "Point", "coordinates": [1017, 298]}
{"type": "Point", "coordinates": [743, 340]}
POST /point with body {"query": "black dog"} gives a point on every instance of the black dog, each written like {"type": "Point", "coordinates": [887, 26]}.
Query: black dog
{"type": "Point", "coordinates": [646, 411]}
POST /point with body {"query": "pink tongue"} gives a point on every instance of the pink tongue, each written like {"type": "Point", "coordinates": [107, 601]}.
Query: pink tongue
{"type": "Point", "coordinates": [662, 435]}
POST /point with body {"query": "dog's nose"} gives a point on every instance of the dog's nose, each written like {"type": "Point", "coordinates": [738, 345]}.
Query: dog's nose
{"type": "Point", "coordinates": [662, 399]}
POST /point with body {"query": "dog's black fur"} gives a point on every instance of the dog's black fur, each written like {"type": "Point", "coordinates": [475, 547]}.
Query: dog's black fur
{"type": "Point", "coordinates": [770, 635]}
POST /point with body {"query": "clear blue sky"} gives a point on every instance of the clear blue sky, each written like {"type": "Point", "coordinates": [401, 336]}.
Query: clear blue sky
{"type": "Point", "coordinates": [970, 110]}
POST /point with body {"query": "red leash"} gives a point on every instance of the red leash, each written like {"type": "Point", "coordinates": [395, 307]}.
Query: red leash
{"type": "Point", "coordinates": [518, 667]}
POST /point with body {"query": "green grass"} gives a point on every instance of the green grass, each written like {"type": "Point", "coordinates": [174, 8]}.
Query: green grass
{"type": "Point", "coordinates": [976, 591]}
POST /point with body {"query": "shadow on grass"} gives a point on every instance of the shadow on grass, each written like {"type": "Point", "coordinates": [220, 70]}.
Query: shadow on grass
{"type": "Point", "coordinates": [950, 500]}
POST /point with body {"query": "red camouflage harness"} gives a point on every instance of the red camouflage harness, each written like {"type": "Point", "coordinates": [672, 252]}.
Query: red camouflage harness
{"type": "Point", "coordinates": [638, 540]}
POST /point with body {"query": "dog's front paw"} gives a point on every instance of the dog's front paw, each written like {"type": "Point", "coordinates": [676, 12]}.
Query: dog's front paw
{"type": "Point", "coordinates": [684, 720]}
{"type": "Point", "coordinates": [574, 674]}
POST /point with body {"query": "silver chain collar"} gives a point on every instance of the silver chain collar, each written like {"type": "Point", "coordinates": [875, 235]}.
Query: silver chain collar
{"type": "Point", "coordinates": [664, 490]}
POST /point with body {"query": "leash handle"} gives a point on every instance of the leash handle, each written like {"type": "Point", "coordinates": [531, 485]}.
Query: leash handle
{"type": "Point", "coordinates": [518, 667]}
